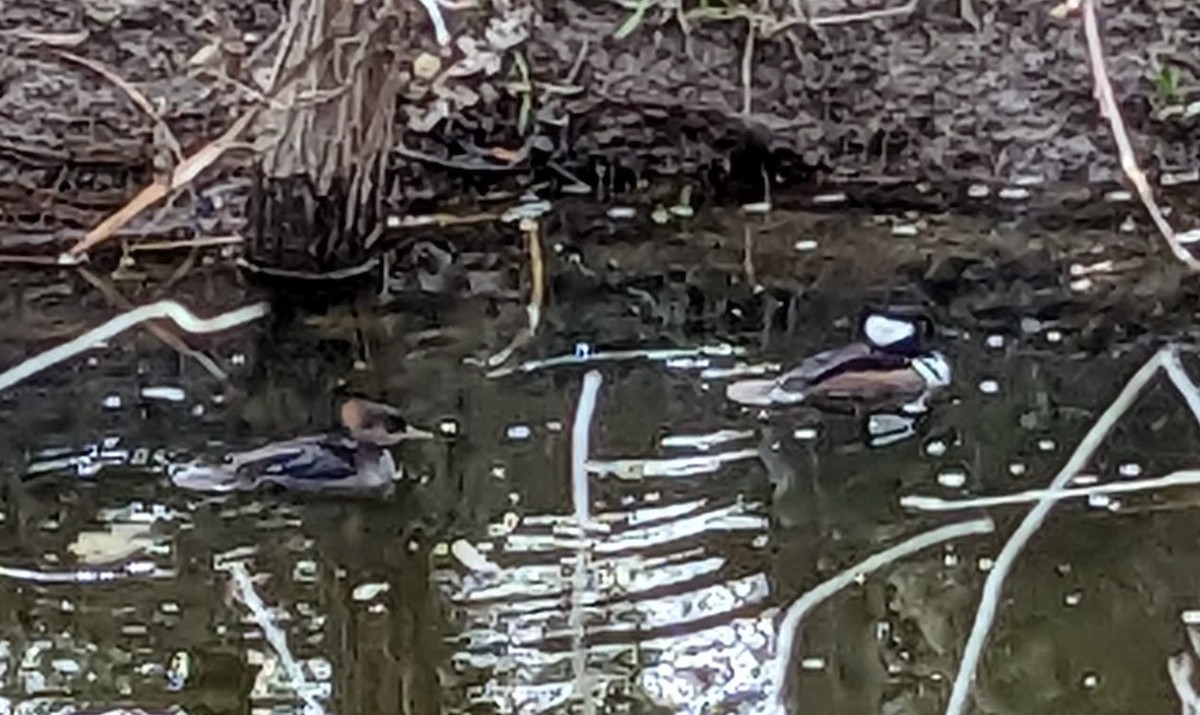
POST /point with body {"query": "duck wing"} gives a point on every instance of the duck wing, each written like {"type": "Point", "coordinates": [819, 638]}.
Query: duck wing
{"type": "Point", "coordinates": [298, 460]}
{"type": "Point", "coordinates": [858, 357]}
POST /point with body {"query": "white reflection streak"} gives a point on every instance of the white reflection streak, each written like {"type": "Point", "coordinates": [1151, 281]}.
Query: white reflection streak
{"type": "Point", "coordinates": [580, 436]}
{"type": "Point", "coordinates": [619, 356]}
{"type": "Point", "coordinates": [790, 627]}
{"type": "Point", "coordinates": [993, 585]}
{"type": "Point", "coordinates": [181, 316]}
{"type": "Point", "coordinates": [670, 467]}
{"type": "Point", "coordinates": [1174, 479]}
{"type": "Point", "coordinates": [275, 637]}
{"type": "Point", "coordinates": [81, 576]}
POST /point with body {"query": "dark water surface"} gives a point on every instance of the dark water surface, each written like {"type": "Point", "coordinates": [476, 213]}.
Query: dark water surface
{"type": "Point", "coordinates": [378, 599]}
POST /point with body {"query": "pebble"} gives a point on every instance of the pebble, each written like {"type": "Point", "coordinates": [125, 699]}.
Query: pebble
{"type": "Point", "coordinates": [936, 448]}
{"type": "Point", "coordinates": [111, 402]}
{"type": "Point", "coordinates": [1016, 469]}
{"type": "Point", "coordinates": [904, 230]}
{"type": "Point", "coordinates": [618, 213]}
{"type": "Point", "coordinates": [806, 244]}
{"type": "Point", "coordinates": [1119, 196]}
{"type": "Point", "coordinates": [1073, 598]}
{"type": "Point", "coordinates": [989, 387]}
{"type": "Point", "coordinates": [995, 341]}
{"type": "Point", "coordinates": [1046, 445]}
{"type": "Point", "coordinates": [1130, 469]}
{"type": "Point", "coordinates": [978, 191]}
{"type": "Point", "coordinates": [805, 433]}
{"type": "Point", "coordinates": [1014, 193]}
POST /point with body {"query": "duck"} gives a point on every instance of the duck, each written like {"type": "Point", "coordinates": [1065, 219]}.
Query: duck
{"type": "Point", "coordinates": [887, 363]}
{"type": "Point", "coordinates": [354, 458]}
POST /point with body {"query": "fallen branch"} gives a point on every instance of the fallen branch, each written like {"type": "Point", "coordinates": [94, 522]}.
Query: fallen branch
{"type": "Point", "coordinates": [1108, 108]}
{"type": "Point", "coordinates": [789, 628]}
{"type": "Point", "coordinates": [989, 600]}
{"type": "Point", "coordinates": [182, 317]}
{"type": "Point", "coordinates": [183, 174]}
{"type": "Point", "coordinates": [167, 337]}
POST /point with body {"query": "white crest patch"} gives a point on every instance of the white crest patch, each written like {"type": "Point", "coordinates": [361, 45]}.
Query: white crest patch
{"type": "Point", "coordinates": [880, 330]}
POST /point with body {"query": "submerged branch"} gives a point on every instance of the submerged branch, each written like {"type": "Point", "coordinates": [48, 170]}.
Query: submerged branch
{"type": "Point", "coordinates": [180, 315]}
{"type": "Point", "coordinates": [989, 600]}
{"type": "Point", "coordinates": [789, 629]}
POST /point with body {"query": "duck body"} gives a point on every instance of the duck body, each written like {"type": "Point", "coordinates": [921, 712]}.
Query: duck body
{"type": "Point", "coordinates": [355, 460]}
{"type": "Point", "coordinates": [887, 365]}
{"type": "Point", "coordinates": [327, 462]}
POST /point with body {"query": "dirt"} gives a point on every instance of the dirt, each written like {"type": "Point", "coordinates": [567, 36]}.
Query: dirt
{"type": "Point", "coordinates": [951, 93]}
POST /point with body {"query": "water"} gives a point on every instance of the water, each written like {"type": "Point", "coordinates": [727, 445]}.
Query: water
{"type": "Point", "coordinates": [469, 590]}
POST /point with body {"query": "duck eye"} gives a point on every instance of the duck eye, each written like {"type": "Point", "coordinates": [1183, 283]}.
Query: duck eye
{"type": "Point", "coordinates": [394, 423]}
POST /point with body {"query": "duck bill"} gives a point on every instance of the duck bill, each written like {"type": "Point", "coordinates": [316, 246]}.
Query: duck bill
{"type": "Point", "coordinates": [753, 393]}
{"type": "Point", "coordinates": [411, 432]}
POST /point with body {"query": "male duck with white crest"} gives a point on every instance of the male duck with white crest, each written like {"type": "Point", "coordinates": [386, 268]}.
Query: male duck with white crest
{"type": "Point", "coordinates": [888, 363]}
{"type": "Point", "coordinates": [354, 458]}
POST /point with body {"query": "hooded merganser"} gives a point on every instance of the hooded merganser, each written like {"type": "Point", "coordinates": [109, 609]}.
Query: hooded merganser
{"type": "Point", "coordinates": [353, 459]}
{"type": "Point", "coordinates": [887, 363]}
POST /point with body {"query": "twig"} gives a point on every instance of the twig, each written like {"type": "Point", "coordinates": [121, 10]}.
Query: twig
{"type": "Point", "coordinates": [1174, 479]}
{"type": "Point", "coordinates": [203, 242]}
{"type": "Point", "coordinates": [1181, 669]}
{"type": "Point", "coordinates": [537, 271]}
{"type": "Point", "coordinates": [789, 628]}
{"type": "Point", "coordinates": [748, 67]}
{"type": "Point", "coordinates": [168, 338]}
{"type": "Point", "coordinates": [580, 438]}
{"type": "Point", "coordinates": [989, 600]}
{"type": "Point", "coordinates": [537, 295]}
{"type": "Point", "coordinates": [275, 636]}
{"type": "Point", "coordinates": [184, 172]}
{"type": "Point", "coordinates": [1108, 107]}
{"type": "Point", "coordinates": [182, 317]}
{"type": "Point", "coordinates": [842, 19]}
{"type": "Point", "coordinates": [439, 24]}
{"type": "Point", "coordinates": [134, 93]}
{"type": "Point", "coordinates": [748, 255]}
{"type": "Point", "coordinates": [1183, 383]}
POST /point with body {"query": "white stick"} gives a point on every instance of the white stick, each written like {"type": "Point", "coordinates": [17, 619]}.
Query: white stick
{"type": "Point", "coordinates": [789, 629]}
{"type": "Point", "coordinates": [1174, 479]}
{"type": "Point", "coordinates": [989, 600]}
{"type": "Point", "coordinates": [580, 436]}
{"type": "Point", "coordinates": [275, 637]}
{"type": "Point", "coordinates": [182, 317]}
{"type": "Point", "coordinates": [439, 24]}
{"type": "Point", "coordinates": [1183, 383]}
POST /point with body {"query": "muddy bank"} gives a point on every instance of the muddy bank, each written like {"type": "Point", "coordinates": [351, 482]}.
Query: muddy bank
{"type": "Point", "coordinates": [613, 96]}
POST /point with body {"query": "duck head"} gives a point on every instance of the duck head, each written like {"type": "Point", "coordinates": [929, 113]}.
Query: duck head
{"type": "Point", "coordinates": [377, 423]}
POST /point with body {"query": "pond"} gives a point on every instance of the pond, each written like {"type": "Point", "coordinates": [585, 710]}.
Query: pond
{"type": "Point", "coordinates": [472, 588]}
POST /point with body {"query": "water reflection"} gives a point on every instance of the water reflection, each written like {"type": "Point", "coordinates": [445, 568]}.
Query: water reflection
{"type": "Point", "coordinates": [474, 591]}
